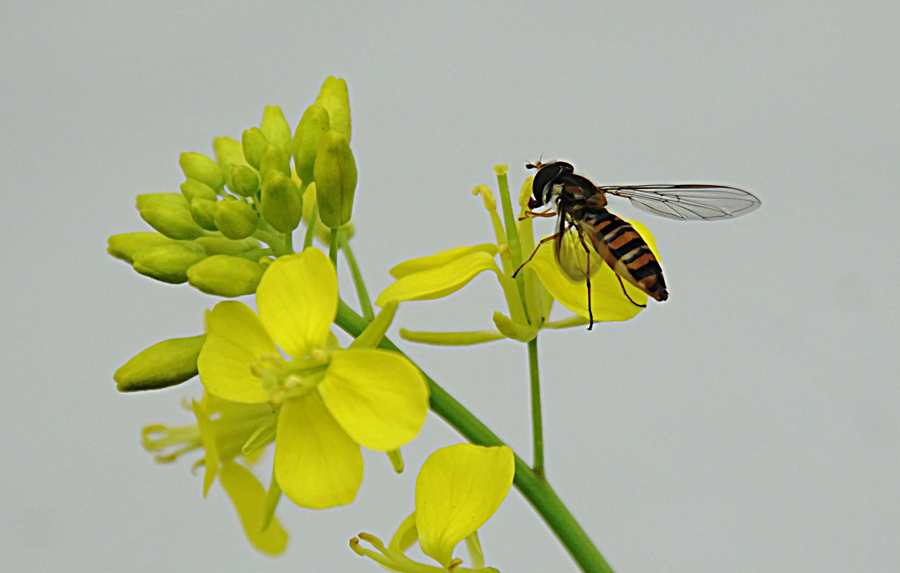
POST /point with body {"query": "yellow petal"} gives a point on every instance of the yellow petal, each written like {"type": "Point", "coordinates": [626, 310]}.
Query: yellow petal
{"type": "Point", "coordinates": [406, 534]}
{"type": "Point", "coordinates": [317, 465]}
{"type": "Point", "coordinates": [458, 489]}
{"type": "Point", "coordinates": [297, 300]}
{"type": "Point", "coordinates": [439, 281]}
{"type": "Point", "coordinates": [248, 497]}
{"type": "Point", "coordinates": [208, 437]}
{"type": "Point", "coordinates": [235, 340]}
{"type": "Point", "coordinates": [378, 397]}
{"type": "Point", "coordinates": [608, 302]}
{"type": "Point", "coordinates": [438, 260]}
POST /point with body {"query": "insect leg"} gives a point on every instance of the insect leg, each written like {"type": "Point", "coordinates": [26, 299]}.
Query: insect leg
{"type": "Point", "coordinates": [533, 253]}
{"type": "Point", "coordinates": [588, 277]}
{"type": "Point", "coordinates": [625, 292]}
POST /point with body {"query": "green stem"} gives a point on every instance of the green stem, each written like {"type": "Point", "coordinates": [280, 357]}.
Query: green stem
{"type": "Point", "coordinates": [535, 489]}
{"type": "Point", "coordinates": [333, 247]}
{"type": "Point", "coordinates": [537, 423]}
{"type": "Point", "coordinates": [311, 227]}
{"type": "Point", "coordinates": [512, 233]}
{"type": "Point", "coordinates": [289, 242]}
{"type": "Point", "coordinates": [364, 302]}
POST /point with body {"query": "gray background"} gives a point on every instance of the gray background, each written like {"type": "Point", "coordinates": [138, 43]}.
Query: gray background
{"type": "Point", "coordinates": [752, 423]}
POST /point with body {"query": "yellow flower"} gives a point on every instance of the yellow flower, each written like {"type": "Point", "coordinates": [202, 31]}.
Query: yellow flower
{"type": "Point", "coordinates": [458, 489]}
{"type": "Point", "coordinates": [529, 301]}
{"type": "Point", "coordinates": [330, 400]}
{"type": "Point", "coordinates": [224, 430]}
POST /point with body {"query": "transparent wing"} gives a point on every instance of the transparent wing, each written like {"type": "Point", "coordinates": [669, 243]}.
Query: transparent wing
{"type": "Point", "coordinates": [688, 202]}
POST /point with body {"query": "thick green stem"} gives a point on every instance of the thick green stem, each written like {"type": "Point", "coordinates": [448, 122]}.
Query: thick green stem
{"type": "Point", "coordinates": [333, 247]}
{"type": "Point", "coordinates": [537, 424]}
{"type": "Point", "coordinates": [535, 489]}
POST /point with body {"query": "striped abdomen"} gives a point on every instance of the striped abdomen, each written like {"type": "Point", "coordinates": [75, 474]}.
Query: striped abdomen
{"type": "Point", "coordinates": [625, 251]}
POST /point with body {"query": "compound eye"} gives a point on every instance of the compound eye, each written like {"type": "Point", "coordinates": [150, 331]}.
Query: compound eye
{"type": "Point", "coordinates": [544, 177]}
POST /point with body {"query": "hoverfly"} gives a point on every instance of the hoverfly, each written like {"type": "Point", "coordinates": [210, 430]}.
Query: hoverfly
{"type": "Point", "coordinates": [581, 206]}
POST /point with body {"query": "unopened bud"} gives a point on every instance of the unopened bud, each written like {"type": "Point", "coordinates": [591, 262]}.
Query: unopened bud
{"type": "Point", "coordinates": [168, 263]}
{"type": "Point", "coordinates": [173, 222]}
{"type": "Point", "coordinates": [335, 175]}
{"type": "Point", "coordinates": [254, 143]}
{"type": "Point", "coordinates": [224, 246]}
{"type": "Point", "coordinates": [235, 219]}
{"type": "Point", "coordinates": [281, 203]}
{"type": "Point", "coordinates": [164, 200]}
{"type": "Point", "coordinates": [192, 189]}
{"type": "Point", "coordinates": [274, 159]}
{"type": "Point", "coordinates": [276, 129]}
{"type": "Point", "coordinates": [164, 364]}
{"type": "Point", "coordinates": [222, 275]}
{"type": "Point", "coordinates": [243, 180]}
{"type": "Point", "coordinates": [125, 245]}
{"type": "Point", "coordinates": [203, 212]}
{"type": "Point", "coordinates": [333, 97]}
{"type": "Point", "coordinates": [201, 168]}
{"type": "Point", "coordinates": [228, 152]}
{"type": "Point", "coordinates": [307, 138]}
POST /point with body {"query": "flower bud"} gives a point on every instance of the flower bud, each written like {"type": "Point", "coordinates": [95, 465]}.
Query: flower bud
{"type": "Point", "coordinates": [201, 168]}
{"type": "Point", "coordinates": [253, 142]}
{"type": "Point", "coordinates": [335, 175]}
{"type": "Point", "coordinates": [125, 245]}
{"type": "Point", "coordinates": [222, 275]}
{"type": "Point", "coordinates": [173, 222]}
{"type": "Point", "coordinates": [274, 159]}
{"type": "Point", "coordinates": [281, 203]}
{"type": "Point", "coordinates": [164, 200]}
{"type": "Point", "coordinates": [192, 189]}
{"type": "Point", "coordinates": [276, 129]}
{"type": "Point", "coordinates": [228, 154]}
{"type": "Point", "coordinates": [203, 211]}
{"type": "Point", "coordinates": [333, 97]}
{"type": "Point", "coordinates": [168, 263]}
{"type": "Point", "coordinates": [235, 219]}
{"type": "Point", "coordinates": [243, 180]}
{"type": "Point", "coordinates": [164, 364]}
{"type": "Point", "coordinates": [225, 246]}
{"type": "Point", "coordinates": [307, 138]}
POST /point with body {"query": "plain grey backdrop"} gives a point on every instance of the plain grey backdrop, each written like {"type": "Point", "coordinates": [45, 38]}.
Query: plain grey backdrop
{"type": "Point", "coordinates": [750, 423]}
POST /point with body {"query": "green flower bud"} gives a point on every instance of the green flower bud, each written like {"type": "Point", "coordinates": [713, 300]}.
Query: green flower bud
{"type": "Point", "coordinates": [276, 129]}
{"type": "Point", "coordinates": [201, 168]}
{"type": "Point", "coordinates": [164, 364]}
{"type": "Point", "coordinates": [243, 180]}
{"type": "Point", "coordinates": [254, 143]}
{"type": "Point", "coordinates": [321, 232]}
{"type": "Point", "coordinates": [235, 219]}
{"type": "Point", "coordinates": [333, 97]}
{"type": "Point", "coordinates": [173, 222]}
{"type": "Point", "coordinates": [192, 189]}
{"type": "Point", "coordinates": [163, 200]}
{"type": "Point", "coordinates": [125, 245]}
{"type": "Point", "coordinates": [203, 212]}
{"type": "Point", "coordinates": [222, 275]}
{"type": "Point", "coordinates": [307, 138]}
{"type": "Point", "coordinates": [228, 154]}
{"type": "Point", "coordinates": [281, 204]}
{"type": "Point", "coordinates": [225, 246]}
{"type": "Point", "coordinates": [335, 175]}
{"type": "Point", "coordinates": [168, 263]}
{"type": "Point", "coordinates": [273, 159]}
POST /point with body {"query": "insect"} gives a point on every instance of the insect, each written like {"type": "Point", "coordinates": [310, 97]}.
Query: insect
{"type": "Point", "coordinates": [581, 206]}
